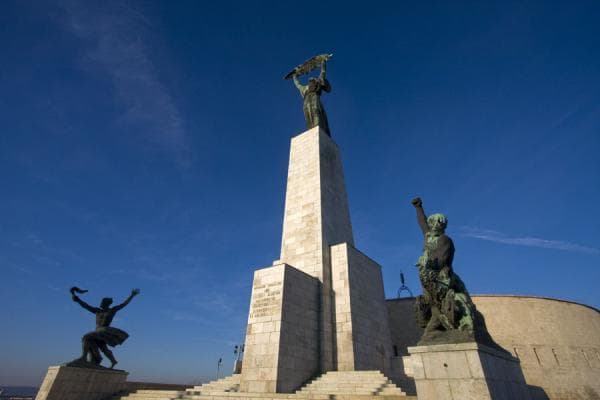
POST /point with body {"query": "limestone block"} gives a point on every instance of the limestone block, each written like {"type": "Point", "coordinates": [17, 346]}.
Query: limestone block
{"type": "Point", "coordinates": [72, 383]}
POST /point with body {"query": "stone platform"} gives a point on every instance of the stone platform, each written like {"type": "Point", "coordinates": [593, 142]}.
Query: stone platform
{"type": "Point", "coordinates": [465, 371]}
{"type": "Point", "coordinates": [334, 385]}
{"type": "Point", "coordinates": [75, 383]}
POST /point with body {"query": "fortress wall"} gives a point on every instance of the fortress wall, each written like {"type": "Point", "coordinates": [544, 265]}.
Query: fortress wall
{"type": "Point", "coordinates": [557, 342]}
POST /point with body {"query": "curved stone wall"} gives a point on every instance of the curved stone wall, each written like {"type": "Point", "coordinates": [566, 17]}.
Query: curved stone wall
{"type": "Point", "coordinates": [557, 342]}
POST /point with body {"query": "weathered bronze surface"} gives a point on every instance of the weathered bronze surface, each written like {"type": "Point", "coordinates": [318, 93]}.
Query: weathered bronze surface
{"type": "Point", "coordinates": [445, 309]}
{"type": "Point", "coordinates": [105, 335]}
{"type": "Point", "coordinates": [314, 113]}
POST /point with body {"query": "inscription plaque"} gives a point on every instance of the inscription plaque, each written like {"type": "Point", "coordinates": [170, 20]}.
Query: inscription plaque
{"type": "Point", "coordinates": [267, 300]}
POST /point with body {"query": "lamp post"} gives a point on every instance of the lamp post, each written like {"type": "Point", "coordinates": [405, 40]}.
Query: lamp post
{"type": "Point", "coordinates": [238, 351]}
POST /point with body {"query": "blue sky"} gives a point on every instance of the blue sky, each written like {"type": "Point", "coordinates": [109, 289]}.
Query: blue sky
{"type": "Point", "coordinates": [145, 144]}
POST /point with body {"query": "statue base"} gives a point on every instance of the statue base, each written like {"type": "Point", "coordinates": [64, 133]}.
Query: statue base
{"type": "Point", "coordinates": [76, 383]}
{"type": "Point", "coordinates": [465, 371]}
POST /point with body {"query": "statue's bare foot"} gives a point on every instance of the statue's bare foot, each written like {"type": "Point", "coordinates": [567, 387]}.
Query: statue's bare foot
{"type": "Point", "coordinates": [112, 364]}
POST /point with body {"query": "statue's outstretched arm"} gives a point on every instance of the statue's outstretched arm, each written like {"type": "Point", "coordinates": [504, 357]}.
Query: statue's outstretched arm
{"type": "Point", "coordinates": [85, 305]}
{"type": "Point", "coordinates": [300, 86]}
{"type": "Point", "coordinates": [421, 217]}
{"type": "Point", "coordinates": [134, 293]}
{"type": "Point", "coordinates": [323, 70]}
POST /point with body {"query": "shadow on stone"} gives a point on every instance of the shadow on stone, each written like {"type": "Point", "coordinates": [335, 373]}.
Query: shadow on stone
{"type": "Point", "coordinates": [537, 393]}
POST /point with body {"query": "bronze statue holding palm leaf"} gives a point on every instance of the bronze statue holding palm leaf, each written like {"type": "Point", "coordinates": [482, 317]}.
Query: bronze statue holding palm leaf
{"type": "Point", "coordinates": [314, 113]}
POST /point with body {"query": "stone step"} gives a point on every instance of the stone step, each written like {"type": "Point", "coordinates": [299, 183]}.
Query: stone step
{"type": "Point", "coordinates": [391, 390]}
{"type": "Point", "coordinates": [227, 384]}
{"type": "Point", "coordinates": [353, 383]}
{"type": "Point", "coordinates": [273, 396]}
{"type": "Point", "coordinates": [282, 396]}
{"type": "Point", "coordinates": [151, 395]}
{"type": "Point", "coordinates": [333, 385]}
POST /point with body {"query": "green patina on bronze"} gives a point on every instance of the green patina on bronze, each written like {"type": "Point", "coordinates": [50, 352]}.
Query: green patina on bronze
{"type": "Point", "coordinates": [445, 309]}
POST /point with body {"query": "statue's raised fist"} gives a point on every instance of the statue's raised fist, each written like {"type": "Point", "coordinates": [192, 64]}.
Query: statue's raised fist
{"type": "Point", "coordinates": [417, 202]}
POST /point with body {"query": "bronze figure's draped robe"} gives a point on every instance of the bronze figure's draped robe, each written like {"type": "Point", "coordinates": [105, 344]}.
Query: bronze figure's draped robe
{"type": "Point", "coordinates": [314, 113]}
{"type": "Point", "coordinates": [104, 335]}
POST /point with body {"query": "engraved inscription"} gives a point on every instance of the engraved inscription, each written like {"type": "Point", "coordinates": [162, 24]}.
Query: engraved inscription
{"type": "Point", "coordinates": [266, 300]}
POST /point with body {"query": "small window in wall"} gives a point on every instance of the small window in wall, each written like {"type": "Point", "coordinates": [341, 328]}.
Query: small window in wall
{"type": "Point", "coordinates": [586, 357]}
{"type": "Point", "coordinates": [536, 356]}
{"type": "Point", "coordinates": [555, 357]}
{"type": "Point", "coordinates": [395, 351]}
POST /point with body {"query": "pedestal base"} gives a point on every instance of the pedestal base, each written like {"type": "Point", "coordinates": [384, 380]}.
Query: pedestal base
{"type": "Point", "coordinates": [73, 383]}
{"type": "Point", "coordinates": [465, 371]}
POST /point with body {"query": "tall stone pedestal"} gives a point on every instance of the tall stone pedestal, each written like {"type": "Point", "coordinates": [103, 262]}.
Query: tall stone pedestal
{"type": "Point", "coordinates": [465, 371]}
{"type": "Point", "coordinates": [72, 383]}
{"type": "Point", "coordinates": [321, 306]}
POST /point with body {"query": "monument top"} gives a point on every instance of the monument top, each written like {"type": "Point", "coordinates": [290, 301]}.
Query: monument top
{"type": "Point", "coordinates": [314, 113]}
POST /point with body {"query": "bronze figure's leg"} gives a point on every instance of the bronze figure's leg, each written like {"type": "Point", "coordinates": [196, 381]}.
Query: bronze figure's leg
{"type": "Point", "coordinates": [109, 354]}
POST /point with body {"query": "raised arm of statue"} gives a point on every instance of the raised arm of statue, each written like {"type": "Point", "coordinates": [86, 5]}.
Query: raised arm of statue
{"type": "Point", "coordinates": [421, 217]}
{"type": "Point", "coordinates": [323, 70]}
{"type": "Point", "coordinates": [134, 293]}
{"type": "Point", "coordinates": [300, 86]}
{"type": "Point", "coordinates": [85, 305]}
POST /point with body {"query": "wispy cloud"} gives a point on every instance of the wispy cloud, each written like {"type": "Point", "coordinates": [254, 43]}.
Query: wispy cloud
{"type": "Point", "coordinates": [499, 237]}
{"type": "Point", "coordinates": [116, 36]}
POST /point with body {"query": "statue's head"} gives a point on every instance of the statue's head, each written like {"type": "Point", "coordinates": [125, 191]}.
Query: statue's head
{"type": "Point", "coordinates": [313, 83]}
{"type": "Point", "coordinates": [437, 223]}
{"type": "Point", "coordinates": [106, 302]}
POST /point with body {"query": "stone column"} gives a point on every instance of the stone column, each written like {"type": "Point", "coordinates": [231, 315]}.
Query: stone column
{"type": "Point", "coordinates": [316, 217]}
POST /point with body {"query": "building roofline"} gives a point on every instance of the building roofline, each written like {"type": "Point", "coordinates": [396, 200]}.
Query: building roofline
{"type": "Point", "coordinates": [518, 296]}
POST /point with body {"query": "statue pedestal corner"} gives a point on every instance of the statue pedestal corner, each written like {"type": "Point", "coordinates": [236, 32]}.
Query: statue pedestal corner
{"type": "Point", "coordinates": [76, 383]}
{"type": "Point", "coordinates": [465, 371]}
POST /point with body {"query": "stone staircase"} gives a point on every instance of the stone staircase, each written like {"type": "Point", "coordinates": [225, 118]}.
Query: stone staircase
{"type": "Point", "coordinates": [334, 385]}
{"type": "Point", "coordinates": [352, 383]}
{"type": "Point", "coordinates": [149, 394]}
{"type": "Point", "coordinates": [230, 384]}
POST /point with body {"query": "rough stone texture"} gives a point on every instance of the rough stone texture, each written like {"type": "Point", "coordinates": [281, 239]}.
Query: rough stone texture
{"type": "Point", "coordinates": [465, 371]}
{"type": "Point", "coordinates": [316, 216]}
{"type": "Point", "coordinates": [557, 342]}
{"type": "Point", "coordinates": [316, 208]}
{"type": "Point", "coordinates": [299, 341]}
{"type": "Point", "coordinates": [281, 349]}
{"type": "Point", "coordinates": [362, 332]}
{"type": "Point", "coordinates": [72, 383]}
